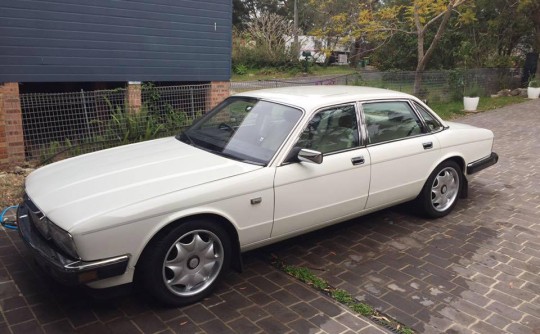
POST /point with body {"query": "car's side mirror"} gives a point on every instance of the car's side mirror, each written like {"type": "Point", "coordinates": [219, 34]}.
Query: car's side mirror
{"type": "Point", "coordinates": [310, 156]}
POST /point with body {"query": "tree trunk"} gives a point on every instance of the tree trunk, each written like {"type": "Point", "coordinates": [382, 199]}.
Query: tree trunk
{"type": "Point", "coordinates": [537, 40]}
{"type": "Point", "coordinates": [423, 59]}
{"type": "Point", "coordinates": [418, 83]}
{"type": "Point", "coordinates": [355, 56]}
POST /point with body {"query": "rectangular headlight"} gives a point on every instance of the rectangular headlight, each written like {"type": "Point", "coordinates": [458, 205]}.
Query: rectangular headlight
{"type": "Point", "coordinates": [63, 240]}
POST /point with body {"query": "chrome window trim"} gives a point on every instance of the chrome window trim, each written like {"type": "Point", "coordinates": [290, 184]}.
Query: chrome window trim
{"type": "Point", "coordinates": [415, 112]}
{"type": "Point", "coordinates": [415, 106]}
{"type": "Point", "coordinates": [353, 104]}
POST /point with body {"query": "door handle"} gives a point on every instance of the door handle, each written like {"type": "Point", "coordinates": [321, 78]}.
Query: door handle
{"type": "Point", "coordinates": [358, 160]}
{"type": "Point", "coordinates": [427, 145]}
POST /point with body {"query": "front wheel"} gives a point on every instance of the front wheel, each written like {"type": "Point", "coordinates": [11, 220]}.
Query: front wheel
{"type": "Point", "coordinates": [183, 265]}
{"type": "Point", "coordinates": [441, 191]}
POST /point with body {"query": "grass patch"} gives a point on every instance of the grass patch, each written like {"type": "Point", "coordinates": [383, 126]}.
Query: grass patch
{"type": "Point", "coordinates": [453, 109]}
{"type": "Point", "coordinates": [250, 74]}
{"type": "Point", "coordinates": [305, 275]}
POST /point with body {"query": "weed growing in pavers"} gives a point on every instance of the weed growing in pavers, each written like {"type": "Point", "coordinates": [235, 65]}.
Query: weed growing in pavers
{"type": "Point", "coordinates": [305, 275]}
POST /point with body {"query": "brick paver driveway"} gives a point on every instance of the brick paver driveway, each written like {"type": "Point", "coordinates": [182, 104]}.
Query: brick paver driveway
{"type": "Point", "coordinates": [476, 270]}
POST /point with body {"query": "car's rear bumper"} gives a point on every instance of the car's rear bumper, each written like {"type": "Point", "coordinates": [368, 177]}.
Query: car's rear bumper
{"type": "Point", "coordinates": [61, 267]}
{"type": "Point", "coordinates": [483, 163]}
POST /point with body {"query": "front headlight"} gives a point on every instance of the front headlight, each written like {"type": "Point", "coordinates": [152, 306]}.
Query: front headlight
{"type": "Point", "coordinates": [63, 240]}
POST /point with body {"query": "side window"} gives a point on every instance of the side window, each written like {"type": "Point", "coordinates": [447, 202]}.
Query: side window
{"type": "Point", "coordinates": [387, 121]}
{"type": "Point", "coordinates": [331, 130]}
{"type": "Point", "coordinates": [432, 123]}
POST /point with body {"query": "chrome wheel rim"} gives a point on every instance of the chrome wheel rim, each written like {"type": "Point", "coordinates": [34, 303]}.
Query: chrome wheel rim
{"type": "Point", "coordinates": [444, 189]}
{"type": "Point", "coordinates": [193, 262]}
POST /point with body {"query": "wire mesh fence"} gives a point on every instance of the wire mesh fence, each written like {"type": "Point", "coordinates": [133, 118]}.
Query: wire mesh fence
{"type": "Point", "coordinates": [60, 125]}
{"type": "Point", "coordinates": [436, 85]}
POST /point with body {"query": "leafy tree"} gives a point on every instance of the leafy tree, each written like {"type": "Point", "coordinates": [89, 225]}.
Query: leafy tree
{"type": "Point", "coordinates": [417, 18]}
{"type": "Point", "coordinates": [377, 21]}
{"type": "Point", "coordinates": [240, 14]}
{"type": "Point", "coordinates": [532, 9]}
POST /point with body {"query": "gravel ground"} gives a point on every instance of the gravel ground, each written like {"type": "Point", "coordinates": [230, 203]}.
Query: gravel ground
{"type": "Point", "coordinates": [11, 185]}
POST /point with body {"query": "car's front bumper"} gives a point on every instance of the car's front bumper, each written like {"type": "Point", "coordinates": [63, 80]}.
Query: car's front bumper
{"type": "Point", "coordinates": [61, 267]}
{"type": "Point", "coordinates": [481, 164]}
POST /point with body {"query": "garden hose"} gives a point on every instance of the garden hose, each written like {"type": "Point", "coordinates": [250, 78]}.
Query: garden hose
{"type": "Point", "coordinates": [8, 218]}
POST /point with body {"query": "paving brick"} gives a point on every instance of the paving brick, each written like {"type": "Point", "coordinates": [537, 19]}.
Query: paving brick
{"type": "Point", "coordinates": [472, 309]}
{"type": "Point", "coordinates": [327, 324]}
{"type": "Point", "coordinates": [326, 306]}
{"type": "Point", "coordinates": [301, 291]}
{"type": "Point", "coordinates": [243, 326]}
{"type": "Point", "coordinates": [514, 291]}
{"type": "Point", "coordinates": [216, 326]}
{"type": "Point", "coordinates": [285, 297]}
{"type": "Point", "coordinates": [353, 322]}
{"type": "Point", "coordinates": [401, 302]}
{"type": "Point", "coordinates": [530, 308]}
{"type": "Point", "coordinates": [535, 288]}
{"type": "Point", "coordinates": [498, 321]}
{"type": "Point", "coordinates": [149, 323]}
{"type": "Point", "coordinates": [29, 327]}
{"type": "Point", "coordinates": [504, 298]}
{"type": "Point", "coordinates": [508, 311]}
{"type": "Point", "coordinates": [516, 328]}
{"type": "Point", "coordinates": [483, 327]}
{"type": "Point", "coordinates": [198, 313]}
{"type": "Point", "coordinates": [119, 326]}
{"type": "Point", "coordinates": [19, 315]}
{"type": "Point", "coordinates": [254, 313]}
{"type": "Point", "coordinates": [183, 325]}
{"type": "Point", "coordinates": [270, 325]}
{"type": "Point", "coordinates": [12, 303]}
{"type": "Point", "coordinates": [96, 327]}
{"type": "Point", "coordinates": [303, 326]}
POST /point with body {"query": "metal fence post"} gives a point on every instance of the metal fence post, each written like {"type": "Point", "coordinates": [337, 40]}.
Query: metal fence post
{"type": "Point", "coordinates": [85, 112]}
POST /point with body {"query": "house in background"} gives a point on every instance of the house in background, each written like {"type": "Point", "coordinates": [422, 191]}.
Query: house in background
{"type": "Point", "coordinates": [69, 45]}
{"type": "Point", "coordinates": [319, 47]}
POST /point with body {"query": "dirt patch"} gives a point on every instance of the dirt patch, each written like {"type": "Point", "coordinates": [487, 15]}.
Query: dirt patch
{"type": "Point", "coordinates": [12, 185]}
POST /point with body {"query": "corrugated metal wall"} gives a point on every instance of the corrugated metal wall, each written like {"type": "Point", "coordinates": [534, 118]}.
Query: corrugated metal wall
{"type": "Point", "coordinates": [115, 40]}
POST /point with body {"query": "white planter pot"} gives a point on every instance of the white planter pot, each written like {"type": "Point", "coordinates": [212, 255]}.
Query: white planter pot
{"type": "Point", "coordinates": [470, 103]}
{"type": "Point", "coordinates": [533, 92]}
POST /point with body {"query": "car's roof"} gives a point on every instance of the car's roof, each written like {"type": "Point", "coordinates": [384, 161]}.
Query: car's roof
{"type": "Point", "coordinates": [310, 97]}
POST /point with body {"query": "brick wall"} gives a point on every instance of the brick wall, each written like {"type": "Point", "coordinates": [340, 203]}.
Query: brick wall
{"type": "Point", "coordinates": [134, 96]}
{"type": "Point", "coordinates": [11, 129]}
{"type": "Point", "coordinates": [219, 91]}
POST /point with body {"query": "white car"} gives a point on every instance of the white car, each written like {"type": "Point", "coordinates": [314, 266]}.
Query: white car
{"type": "Point", "coordinates": [261, 167]}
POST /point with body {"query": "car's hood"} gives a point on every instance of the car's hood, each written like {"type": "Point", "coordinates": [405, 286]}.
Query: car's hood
{"type": "Point", "coordinates": [83, 187]}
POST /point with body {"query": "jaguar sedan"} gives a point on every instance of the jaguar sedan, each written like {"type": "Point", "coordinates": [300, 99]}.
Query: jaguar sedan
{"type": "Point", "coordinates": [262, 166]}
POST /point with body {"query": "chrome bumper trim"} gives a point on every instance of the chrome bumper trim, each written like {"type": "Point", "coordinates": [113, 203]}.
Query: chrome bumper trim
{"type": "Point", "coordinates": [64, 269]}
{"type": "Point", "coordinates": [481, 164]}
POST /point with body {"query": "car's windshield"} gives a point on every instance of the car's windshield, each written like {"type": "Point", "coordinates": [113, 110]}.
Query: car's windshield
{"type": "Point", "coordinates": [244, 129]}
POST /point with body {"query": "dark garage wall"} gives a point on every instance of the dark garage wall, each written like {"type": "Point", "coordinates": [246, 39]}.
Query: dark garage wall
{"type": "Point", "coordinates": [115, 40]}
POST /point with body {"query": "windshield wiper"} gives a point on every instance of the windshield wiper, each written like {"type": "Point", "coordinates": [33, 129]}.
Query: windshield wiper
{"type": "Point", "coordinates": [184, 137]}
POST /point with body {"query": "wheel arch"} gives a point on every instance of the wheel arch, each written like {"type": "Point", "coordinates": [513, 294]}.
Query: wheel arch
{"type": "Point", "coordinates": [236, 256]}
{"type": "Point", "coordinates": [460, 161]}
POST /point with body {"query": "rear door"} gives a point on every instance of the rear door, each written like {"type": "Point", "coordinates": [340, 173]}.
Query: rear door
{"type": "Point", "coordinates": [402, 151]}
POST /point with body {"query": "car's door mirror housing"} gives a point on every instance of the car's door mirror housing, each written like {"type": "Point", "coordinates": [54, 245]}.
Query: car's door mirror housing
{"type": "Point", "coordinates": [313, 156]}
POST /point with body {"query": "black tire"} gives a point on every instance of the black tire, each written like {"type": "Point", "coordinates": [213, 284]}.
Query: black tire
{"type": "Point", "coordinates": [184, 264]}
{"type": "Point", "coordinates": [441, 190]}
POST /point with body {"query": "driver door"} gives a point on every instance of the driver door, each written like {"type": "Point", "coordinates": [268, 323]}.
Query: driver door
{"type": "Point", "coordinates": [310, 195]}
